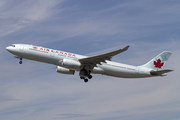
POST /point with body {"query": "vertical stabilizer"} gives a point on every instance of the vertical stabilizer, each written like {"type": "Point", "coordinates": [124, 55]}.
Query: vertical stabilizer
{"type": "Point", "coordinates": [159, 61]}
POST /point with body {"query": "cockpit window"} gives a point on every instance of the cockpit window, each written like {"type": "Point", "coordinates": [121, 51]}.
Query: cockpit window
{"type": "Point", "coordinates": [13, 45]}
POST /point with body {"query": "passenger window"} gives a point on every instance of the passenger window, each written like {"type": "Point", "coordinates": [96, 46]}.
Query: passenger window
{"type": "Point", "coordinates": [13, 45]}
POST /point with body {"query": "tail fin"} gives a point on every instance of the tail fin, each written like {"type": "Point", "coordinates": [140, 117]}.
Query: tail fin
{"type": "Point", "coordinates": [159, 61]}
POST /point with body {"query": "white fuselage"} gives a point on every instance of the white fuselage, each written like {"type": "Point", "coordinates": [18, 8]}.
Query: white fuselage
{"type": "Point", "coordinates": [51, 56]}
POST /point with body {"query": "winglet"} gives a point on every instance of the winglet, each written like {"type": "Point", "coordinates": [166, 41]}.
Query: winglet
{"type": "Point", "coordinates": [126, 48]}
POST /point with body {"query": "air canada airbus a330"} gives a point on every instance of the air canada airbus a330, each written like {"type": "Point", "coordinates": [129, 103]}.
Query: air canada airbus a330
{"type": "Point", "coordinates": [68, 63]}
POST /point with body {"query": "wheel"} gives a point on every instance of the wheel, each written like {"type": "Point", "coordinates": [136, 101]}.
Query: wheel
{"type": "Point", "coordinates": [90, 76]}
{"type": "Point", "coordinates": [85, 80]}
{"type": "Point", "coordinates": [20, 62]}
{"type": "Point", "coordinates": [81, 77]}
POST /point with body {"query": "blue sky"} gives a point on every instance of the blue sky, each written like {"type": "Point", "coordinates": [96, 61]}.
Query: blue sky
{"type": "Point", "coordinates": [34, 90]}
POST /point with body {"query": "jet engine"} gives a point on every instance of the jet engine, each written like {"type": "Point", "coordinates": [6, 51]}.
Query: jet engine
{"type": "Point", "coordinates": [70, 63]}
{"type": "Point", "coordinates": [64, 70]}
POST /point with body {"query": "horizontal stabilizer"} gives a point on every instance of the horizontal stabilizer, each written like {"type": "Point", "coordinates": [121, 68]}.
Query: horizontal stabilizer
{"type": "Point", "coordinates": [161, 72]}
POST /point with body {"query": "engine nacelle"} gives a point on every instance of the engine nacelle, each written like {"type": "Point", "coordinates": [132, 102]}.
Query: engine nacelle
{"type": "Point", "coordinates": [70, 63]}
{"type": "Point", "coordinates": [64, 70]}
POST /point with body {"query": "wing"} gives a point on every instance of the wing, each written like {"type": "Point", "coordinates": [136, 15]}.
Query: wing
{"type": "Point", "coordinates": [94, 60]}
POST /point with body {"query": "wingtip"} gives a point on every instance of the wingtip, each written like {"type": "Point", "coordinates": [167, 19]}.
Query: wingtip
{"type": "Point", "coordinates": [125, 48]}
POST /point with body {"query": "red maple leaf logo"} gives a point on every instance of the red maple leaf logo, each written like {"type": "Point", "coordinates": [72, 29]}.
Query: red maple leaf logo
{"type": "Point", "coordinates": [158, 63]}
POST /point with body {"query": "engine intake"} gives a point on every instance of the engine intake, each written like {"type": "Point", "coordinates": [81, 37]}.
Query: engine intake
{"type": "Point", "coordinates": [64, 70]}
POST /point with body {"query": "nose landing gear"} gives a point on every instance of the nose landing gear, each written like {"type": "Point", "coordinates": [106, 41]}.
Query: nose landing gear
{"type": "Point", "coordinates": [20, 62]}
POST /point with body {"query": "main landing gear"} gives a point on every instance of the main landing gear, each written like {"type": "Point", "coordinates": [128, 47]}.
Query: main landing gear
{"type": "Point", "coordinates": [84, 74]}
{"type": "Point", "coordinates": [85, 79]}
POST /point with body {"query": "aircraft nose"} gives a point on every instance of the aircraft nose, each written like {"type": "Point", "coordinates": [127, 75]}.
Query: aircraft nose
{"type": "Point", "coordinates": [9, 48]}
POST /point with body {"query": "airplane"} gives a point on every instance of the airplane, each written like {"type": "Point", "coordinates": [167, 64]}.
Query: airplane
{"type": "Point", "coordinates": [68, 63]}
